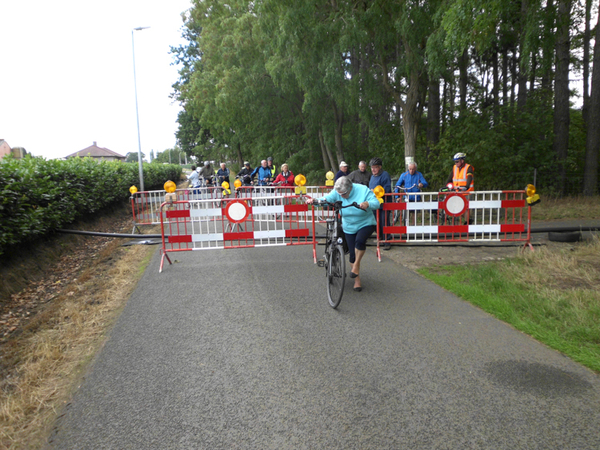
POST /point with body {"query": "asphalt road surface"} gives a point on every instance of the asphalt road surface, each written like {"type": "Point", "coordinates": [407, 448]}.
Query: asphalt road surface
{"type": "Point", "coordinates": [239, 349]}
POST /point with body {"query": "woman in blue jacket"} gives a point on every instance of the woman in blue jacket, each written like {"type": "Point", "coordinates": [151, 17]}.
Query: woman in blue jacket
{"type": "Point", "coordinates": [358, 224]}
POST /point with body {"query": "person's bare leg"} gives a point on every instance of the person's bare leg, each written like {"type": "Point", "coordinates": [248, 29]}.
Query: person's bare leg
{"type": "Point", "coordinates": [356, 266]}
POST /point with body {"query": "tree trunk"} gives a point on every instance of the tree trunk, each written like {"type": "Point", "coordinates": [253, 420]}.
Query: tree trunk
{"type": "Point", "coordinates": [561, 90]}
{"type": "Point", "coordinates": [410, 118]}
{"type": "Point", "coordinates": [505, 77]}
{"type": "Point", "coordinates": [522, 75]}
{"type": "Point", "coordinates": [592, 144]}
{"type": "Point", "coordinates": [495, 87]}
{"type": "Point", "coordinates": [433, 114]}
{"type": "Point", "coordinates": [328, 161]}
{"type": "Point", "coordinates": [463, 64]}
{"type": "Point", "coordinates": [586, 62]}
{"type": "Point", "coordinates": [339, 125]}
{"type": "Point", "coordinates": [239, 154]}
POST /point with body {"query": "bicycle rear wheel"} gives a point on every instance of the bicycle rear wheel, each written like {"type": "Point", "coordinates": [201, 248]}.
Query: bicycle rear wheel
{"type": "Point", "coordinates": [336, 276]}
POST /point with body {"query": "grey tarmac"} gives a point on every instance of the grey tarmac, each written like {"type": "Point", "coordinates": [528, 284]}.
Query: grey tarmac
{"type": "Point", "coordinates": [238, 349]}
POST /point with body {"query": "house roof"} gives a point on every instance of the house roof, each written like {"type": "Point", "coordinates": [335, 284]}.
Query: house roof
{"type": "Point", "coordinates": [95, 152]}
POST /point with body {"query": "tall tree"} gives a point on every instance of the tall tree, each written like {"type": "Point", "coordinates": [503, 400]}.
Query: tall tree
{"type": "Point", "coordinates": [592, 145]}
{"type": "Point", "coordinates": [561, 89]}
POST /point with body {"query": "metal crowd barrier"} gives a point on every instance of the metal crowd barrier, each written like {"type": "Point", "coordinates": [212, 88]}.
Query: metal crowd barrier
{"type": "Point", "coordinates": [145, 205]}
{"type": "Point", "coordinates": [485, 216]}
{"type": "Point", "coordinates": [235, 223]}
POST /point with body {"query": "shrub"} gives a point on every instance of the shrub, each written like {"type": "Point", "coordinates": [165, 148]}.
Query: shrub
{"type": "Point", "coordinates": [39, 195]}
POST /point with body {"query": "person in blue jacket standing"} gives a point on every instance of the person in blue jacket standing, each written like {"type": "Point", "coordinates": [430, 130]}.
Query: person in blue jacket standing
{"type": "Point", "coordinates": [380, 177]}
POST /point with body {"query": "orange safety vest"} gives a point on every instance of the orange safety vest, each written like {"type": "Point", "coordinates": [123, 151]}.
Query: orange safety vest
{"type": "Point", "coordinates": [459, 177]}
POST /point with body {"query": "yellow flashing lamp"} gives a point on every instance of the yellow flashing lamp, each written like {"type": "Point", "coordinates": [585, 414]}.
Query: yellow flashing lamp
{"type": "Point", "coordinates": [379, 192]}
{"type": "Point", "coordinates": [133, 190]}
{"type": "Point", "coordinates": [329, 178]}
{"type": "Point", "coordinates": [532, 197]}
{"type": "Point", "coordinates": [225, 186]}
{"type": "Point", "coordinates": [170, 187]}
{"type": "Point", "coordinates": [300, 180]}
{"type": "Point", "coordinates": [237, 184]}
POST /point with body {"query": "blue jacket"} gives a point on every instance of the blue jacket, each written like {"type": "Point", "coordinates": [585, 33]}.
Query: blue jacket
{"type": "Point", "coordinates": [263, 174]}
{"type": "Point", "coordinates": [353, 219]}
{"type": "Point", "coordinates": [407, 180]}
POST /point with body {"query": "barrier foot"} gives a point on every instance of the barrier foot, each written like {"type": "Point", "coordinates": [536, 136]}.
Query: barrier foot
{"type": "Point", "coordinates": [162, 261]}
{"type": "Point", "coordinates": [527, 244]}
{"type": "Point", "coordinates": [314, 255]}
{"type": "Point", "coordinates": [378, 252]}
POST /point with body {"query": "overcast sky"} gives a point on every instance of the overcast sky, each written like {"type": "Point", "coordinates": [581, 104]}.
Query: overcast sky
{"type": "Point", "coordinates": [66, 74]}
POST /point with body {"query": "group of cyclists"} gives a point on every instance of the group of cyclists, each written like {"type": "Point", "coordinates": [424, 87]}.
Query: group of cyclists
{"type": "Point", "coordinates": [264, 175]}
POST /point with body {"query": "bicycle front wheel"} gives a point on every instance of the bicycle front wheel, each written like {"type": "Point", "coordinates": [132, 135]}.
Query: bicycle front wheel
{"type": "Point", "coordinates": [336, 276]}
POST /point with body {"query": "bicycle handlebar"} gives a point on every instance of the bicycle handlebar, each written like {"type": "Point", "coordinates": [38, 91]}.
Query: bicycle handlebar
{"type": "Point", "coordinates": [336, 205]}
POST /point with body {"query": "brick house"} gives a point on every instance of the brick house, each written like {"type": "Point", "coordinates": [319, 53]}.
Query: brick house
{"type": "Point", "coordinates": [100, 153]}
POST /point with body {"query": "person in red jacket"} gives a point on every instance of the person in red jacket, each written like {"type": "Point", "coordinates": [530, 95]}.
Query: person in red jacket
{"type": "Point", "coordinates": [286, 177]}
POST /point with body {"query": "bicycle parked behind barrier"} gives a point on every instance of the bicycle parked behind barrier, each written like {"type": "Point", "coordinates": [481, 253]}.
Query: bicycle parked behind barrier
{"type": "Point", "coordinates": [404, 214]}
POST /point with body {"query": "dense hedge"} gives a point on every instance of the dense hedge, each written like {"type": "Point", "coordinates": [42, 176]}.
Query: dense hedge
{"type": "Point", "coordinates": [39, 195]}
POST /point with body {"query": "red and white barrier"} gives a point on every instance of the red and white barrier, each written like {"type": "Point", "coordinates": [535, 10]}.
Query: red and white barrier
{"type": "Point", "coordinates": [485, 216]}
{"type": "Point", "coordinates": [145, 205]}
{"type": "Point", "coordinates": [235, 223]}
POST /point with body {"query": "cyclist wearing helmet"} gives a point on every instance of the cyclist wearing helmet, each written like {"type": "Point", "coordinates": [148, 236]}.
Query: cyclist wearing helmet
{"type": "Point", "coordinates": [244, 174]}
{"type": "Point", "coordinates": [271, 167]}
{"type": "Point", "coordinates": [462, 179]}
{"type": "Point", "coordinates": [207, 173]}
{"type": "Point", "coordinates": [380, 177]}
{"type": "Point", "coordinates": [462, 174]}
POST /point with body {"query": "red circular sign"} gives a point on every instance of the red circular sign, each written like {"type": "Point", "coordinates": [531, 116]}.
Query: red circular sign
{"type": "Point", "coordinates": [237, 211]}
{"type": "Point", "coordinates": [455, 204]}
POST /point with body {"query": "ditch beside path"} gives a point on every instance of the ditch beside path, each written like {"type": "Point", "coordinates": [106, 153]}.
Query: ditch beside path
{"type": "Point", "coordinates": [240, 349]}
{"type": "Point", "coordinates": [418, 256]}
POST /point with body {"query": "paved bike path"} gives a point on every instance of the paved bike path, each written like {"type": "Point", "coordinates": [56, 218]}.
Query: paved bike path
{"type": "Point", "coordinates": [239, 349]}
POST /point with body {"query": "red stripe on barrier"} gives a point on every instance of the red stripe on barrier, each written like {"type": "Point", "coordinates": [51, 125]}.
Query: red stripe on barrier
{"type": "Point", "coordinates": [179, 239]}
{"type": "Point", "coordinates": [513, 203]}
{"type": "Point", "coordinates": [298, 232]}
{"type": "Point", "coordinates": [394, 230]}
{"type": "Point", "coordinates": [392, 206]}
{"type": "Point", "coordinates": [453, 229]}
{"type": "Point", "coordinates": [295, 208]}
{"type": "Point", "coordinates": [512, 228]}
{"type": "Point", "coordinates": [177, 214]}
{"type": "Point", "coordinates": [243, 235]}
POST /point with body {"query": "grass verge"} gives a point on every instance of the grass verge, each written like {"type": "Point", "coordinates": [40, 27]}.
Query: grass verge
{"type": "Point", "coordinates": [552, 294]}
{"type": "Point", "coordinates": [53, 350]}
{"type": "Point", "coordinates": [566, 208]}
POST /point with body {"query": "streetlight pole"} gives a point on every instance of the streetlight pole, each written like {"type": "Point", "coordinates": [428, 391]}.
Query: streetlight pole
{"type": "Point", "coordinates": [137, 115]}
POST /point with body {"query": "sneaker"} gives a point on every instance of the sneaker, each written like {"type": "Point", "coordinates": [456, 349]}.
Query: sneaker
{"type": "Point", "coordinates": [387, 246]}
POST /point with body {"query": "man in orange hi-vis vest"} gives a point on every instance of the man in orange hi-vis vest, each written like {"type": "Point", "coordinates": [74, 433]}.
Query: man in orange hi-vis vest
{"type": "Point", "coordinates": [462, 178]}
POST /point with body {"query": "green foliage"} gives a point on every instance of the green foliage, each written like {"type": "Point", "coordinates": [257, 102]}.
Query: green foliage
{"type": "Point", "coordinates": [40, 195]}
{"type": "Point", "coordinates": [503, 156]}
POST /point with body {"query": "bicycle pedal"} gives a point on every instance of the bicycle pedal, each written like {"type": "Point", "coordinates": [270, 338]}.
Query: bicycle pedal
{"type": "Point", "coordinates": [321, 263]}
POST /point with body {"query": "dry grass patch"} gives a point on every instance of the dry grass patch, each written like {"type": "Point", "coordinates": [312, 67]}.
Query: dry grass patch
{"type": "Point", "coordinates": [43, 362]}
{"type": "Point", "coordinates": [566, 208]}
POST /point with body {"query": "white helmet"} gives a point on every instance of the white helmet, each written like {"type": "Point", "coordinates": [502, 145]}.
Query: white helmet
{"type": "Point", "coordinates": [459, 156]}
